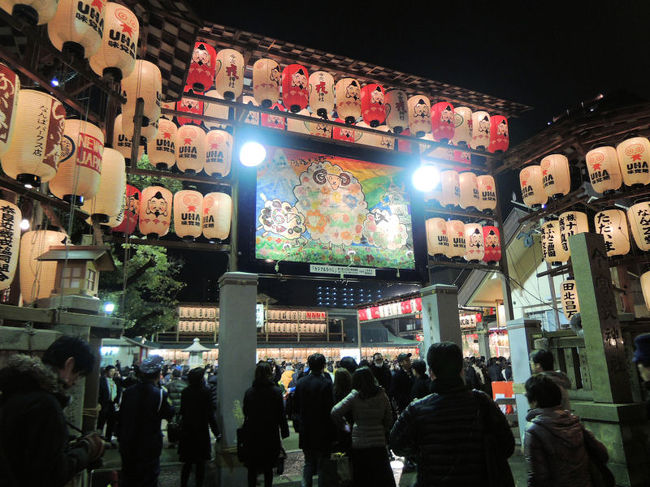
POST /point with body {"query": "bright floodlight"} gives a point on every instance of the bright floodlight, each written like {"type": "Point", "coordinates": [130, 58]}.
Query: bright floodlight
{"type": "Point", "coordinates": [252, 154]}
{"type": "Point", "coordinates": [24, 224]}
{"type": "Point", "coordinates": [109, 308]}
{"type": "Point", "coordinates": [425, 178]}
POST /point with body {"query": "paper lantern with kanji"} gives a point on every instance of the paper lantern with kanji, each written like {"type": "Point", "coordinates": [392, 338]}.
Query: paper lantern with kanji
{"type": "Point", "coordinates": [299, 126]}
{"type": "Point", "coordinates": [456, 235]}
{"type": "Point", "coordinates": [645, 287]}
{"type": "Point", "coordinates": [35, 148]}
{"type": "Point", "coordinates": [202, 67]}
{"type": "Point", "coordinates": [252, 118]}
{"type": "Point", "coordinates": [373, 108]}
{"type": "Point", "coordinates": [215, 110]}
{"type": "Point", "coordinates": [397, 118]}
{"type": "Point", "coordinates": [131, 211]}
{"type": "Point", "coordinates": [116, 220]}
{"type": "Point", "coordinates": [80, 166]}
{"type": "Point", "coordinates": [189, 105]}
{"type": "Point", "coordinates": [639, 217]}
{"type": "Point", "coordinates": [604, 171]}
{"type": "Point", "coordinates": [33, 12]}
{"type": "Point", "coordinates": [295, 87]}
{"type": "Point", "coordinates": [218, 153]}
{"type": "Point", "coordinates": [144, 83]}
{"type": "Point", "coordinates": [462, 126]}
{"type": "Point", "coordinates": [348, 100]}
{"type": "Point", "coordinates": [487, 192]}
{"type": "Point", "coordinates": [267, 78]}
{"type": "Point", "coordinates": [450, 182]}
{"type": "Point", "coordinates": [274, 121]}
{"type": "Point", "coordinates": [117, 53]}
{"type": "Point", "coordinates": [37, 278]}
{"type": "Point", "coordinates": [480, 130]}
{"type": "Point", "coordinates": [9, 88]}
{"type": "Point", "coordinates": [162, 148]}
{"type": "Point", "coordinates": [419, 110]}
{"type": "Point", "coordinates": [532, 186]}
{"type": "Point", "coordinates": [112, 185]}
{"type": "Point", "coordinates": [442, 121]}
{"type": "Point", "coordinates": [217, 214]}
{"type": "Point", "coordinates": [229, 80]}
{"type": "Point", "coordinates": [437, 239]}
{"type": "Point", "coordinates": [569, 296]}
{"type": "Point", "coordinates": [155, 211]}
{"type": "Point", "coordinates": [190, 149]}
{"type": "Point", "coordinates": [474, 242]}
{"type": "Point", "coordinates": [499, 138]}
{"type": "Point", "coordinates": [551, 247]}
{"type": "Point", "coordinates": [345, 133]}
{"type": "Point", "coordinates": [321, 93]}
{"type": "Point", "coordinates": [633, 159]}
{"type": "Point", "coordinates": [10, 218]}
{"type": "Point", "coordinates": [570, 223]}
{"type": "Point", "coordinates": [78, 26]}
{"type": "Point", "coordinates": [555, 175]}
{"type": "Point", "coordinates": [188, 207]}
{"type": "Point", "coordinates": [469, 196]}
{"type": "Point", "coordinates": [492, 242]}
{"type": "Point", "coordinates": [319, 128]}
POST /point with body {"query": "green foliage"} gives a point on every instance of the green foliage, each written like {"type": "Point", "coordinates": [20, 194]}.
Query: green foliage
{"type": "Point", "coordinates": [141, 182]}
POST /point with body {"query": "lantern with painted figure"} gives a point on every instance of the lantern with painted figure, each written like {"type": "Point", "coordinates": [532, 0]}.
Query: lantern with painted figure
{"type": "Point", "coordinates": [532, 186]}
{"type": "Point", "coordinates": [9, 88]}
{"type": "Point", "coordinates": [274, 121]}
{"type": "Point", "coordinates": [386, 141]}
{"type": "Point", "coordinates": [639, 218]}
{"type": "Point", "coordinates": [437, 239]}
{"type": "Point", "coordinates": [396, 103]}
{"type": "Point", "coordinates": [229, 78]}
{"type": "Point", "coordinates": [487, 192]}
{"type": "Point", "coordinates": [319, 128]}
{"type": "Point", "coordinates": [570, 223]}
{"type": "Point", "coordinates": [190, 149]}
{"type": "Point", "coordinates": [77, 27]}
{"type": "Point", "coordinates": [474, 242]}
{"type": "Point", "coordinates": [217, 214]}
{"type": "Point", "coordinates": [456, 236]}
{"type": "Point", "coordinates": [321, 93]}
{"type": "Point", "coordinates": [188, 207]}
{"type": "Point", "coordinates": [37, 278]}
{"type": "Point", "coordinates": [116, 55]}
{"type": "Point", "coordinates": [499, 136]}
{"type": "Point", "coordinates": [373, 109]}
{"type": "Point", "coordinates": [348, 100]}
{"type": "Point", "coordinates": [462, 127]}
{"type": "Point", "coordinates": [155, 211]}
{"type": "Point", "coordinates": [33, 12]}
{"type": "Point", "coordinates": [469, 195]}
{"type": "Point", "coordinates": [267, 78]}
{"type": "Point", "coordinates": [202, 67]}
{"type": "Point", "coordinates": [604, 170]}
{"type": "Point", "coordinates": [345, 133]}
{"type": "Point", "coordinates": [295, 87]}
{"type": "Point", "coordinates": [551, 247]}
{"type": "Point", "coordinates": [252, 118]}
{"type": "Point", "coordinates": [144, 83]}
{"type": "Point", "coordinates": [443, 121]}
{"type": "Point", "coordinates": [492, 242]}
{"type": "Point", "coordinates": [419, 110]}
{"type": "Point", "coordinates": [218, 153]}
{"type": "Point", "coordinates": [555, 175]}
{"type": "Point", "coordinates": [480, 130]}
{"type": "Point", "coordinates": [215, 110]}
{"type": "Point", "coordinates": [189, 105]}
{"type": "Point", "coordinates": [162, 148]}
{"type": "Point", "coordinates": [633, 159]}
{"type": "Point", "coordinates": [569, 296]}
{"type": "Point", "coordinates": [10, 218]}
{"type": "Point", "coordinates": [129, 222]}
{"type": "Point", "coordinates": [112, 185]}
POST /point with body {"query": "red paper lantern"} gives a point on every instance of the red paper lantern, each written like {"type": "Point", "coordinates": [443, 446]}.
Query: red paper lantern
{"type": "Point", "coordinates": [499, 138]}
{"type": "Point", "coordinates": [131, 211]}
{"type": "Point", "coordinates": [273, 121]}
{"type": "Point", "coordinates": [190, 106]}
{"type": "Point", "coordinates": [295, 87]}
{"type": "Point", "coordinates": [418, 304]}
{"type": "Point", "coordinates": [492, 243]}
{"type": "Point", "coordinates": [373, 109]}
{"type": "Point", "coordinates": [442, 121]}
{"type": "Point", "coordinates": [202, 68]}
{"type": "Point", "coordinates": [479, 317]}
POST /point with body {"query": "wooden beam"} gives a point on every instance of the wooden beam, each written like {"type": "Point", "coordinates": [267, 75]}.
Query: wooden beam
{"type": "Point", "coordinates": [179, 244]}
{"type": "Point", "coordinates": [26, 339]}
{"type": "Point", "coordinates": [156, 173]}
{"type": "Point", "coordinates": [58, 317]}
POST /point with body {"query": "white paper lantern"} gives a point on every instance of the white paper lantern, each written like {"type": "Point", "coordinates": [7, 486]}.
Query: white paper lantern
{"type": "Point", "coordinates": [419, 112]}
{"type": "Point", "coordinates": [570, 223]}
{"type": "Point", "coordinates": [551, 247]}
{"type": "Point", "coordinates": [78, 26]}
{"type": "Point", "coordinates": [321, 93]}
{"type": "Point", "coordinates": [450, 183]}
{"type": "Point", "coordinates": [190, 149]}
{"type": "Point", "coordinates": [34, 12]}
{"type": "Point", "coordinates": [645, 287]}
{"type": "Point", "coordinates": [639, 217]}
{"type": "Point", "coordinates": [155, 211]}
{"type": "Point", "coordinates": [437, 239]}
{"type": "Point", "coordinates": [348, 100]}
{"type": "Point", "coordinates": [469, 195]}
{"type": "Point", "coordinates": [117, 52]}
{"type": "Point", "coordinates": [456, 235]}
{"type": "Point", "coordinates": [37, 278]}
{"type": "Point", "coordinates": [267, 78]}
{"type": "Point", "coordinates": [633, 158]}
{"type": "Point", "coordinates": [474, 241]}
{"type": "Point", "coordinates": [9, 88]}
{"type": "Point", "coordinates": [612, 225]}
{"type": "Point", "coordinates": [218, 153]}
{"type": "Point", "coordinates": [463, 123]}
{"type": "Point", "coordinates": [188, 207]}
{"type": "Point", "coordinates": [604, 170]}
{"type": "Point", "coordinates": [480, 130]}
{"type": "Point", "coordinates": [10, 218]}
{"type": "Point", "coordinates": [144, 83]}
{"type": "Point", "coordinates": [397, 118]}
{"type": "Point", "coordinates": [112, 188]}
{"type": "Point", "coordinates": [555, 175]}
{"type": "Point", "coordinates": [532, 186]}
{"type": "Point", "coordinates": [162, 148]}
{"type": "Point", "coordinates": [230, 74]}
{"type": "Point", "coordinates": [217, 214]}
{"type": "Point", "coordinates": [487, 192]}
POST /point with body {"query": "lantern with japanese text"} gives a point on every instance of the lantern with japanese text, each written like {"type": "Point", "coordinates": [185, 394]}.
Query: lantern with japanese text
{"type": "Point", "coordinates": [348, 100]}
{"type": "Point", "coordinates": [569, 296]}
{"type": "Point", "coordinates": [80, 166]}
{"type": "Point", "coordinates": [532, 186]}
{"type": "Point", "coordinates": [456, 236]}
{"type": "Point", "coordinates": [462, 126]}
{"type": "Point", "coordinates": [9, 88]}
{"type": "Point", "coordinates": [570, 223]}
{"type": "Point", "coordinates": [551, 246]}
{"type": "Point", "coordinates": [217, 214]}
{"type": "Point", "coordinates": [266, 82]}
{"type": "Point", "coordinates": [295, 87]}
{"type": "Point", "coordinates": [419, 110]}
{"type": "Point", "coordinates": [645, 287]}
{"type": "Point", "coordinates": [112, 185]}
{"type": "Point", "coordinates": [162, 148]}
{"type": "Point", "coordinates": [396, 103]}
{"type": "Point", "coordinates": [274, 121]}
{"type": "Point", "coordinates": [345, 133]}
{"type": "Point", "coordinates": [612, 225]}
{"type": "Point", "coordinates": [78, 26]}
{"type": "Point", "coordinates": [218, 153]}
{"type": "Point", "coordinates": [202, 68]}
{"type": "Point", "coordinates": [299, 126]}
{"type": "Point", "coordinates": [604, 171]}
{"type": "Point", "coordinates": [555, 175]}
{"type": "Point", "coordinates": [633, 159]}
{"type": "Point", "coordinates": [373, 109]}
{"type": "Point", "coordinates": [319, 128]}
{"type": "Point", "coordinates": [499, 138]}
{"type": "Point", "coordinates": [450, 182]}
{"type": "Point", "coordinates": [144, 83]}
{"type": "Point", "coordinates": [321, 93]}
{"type": "Point", "coordinates": [252, 118]}
{"type": "Point", "coordinates": [469, 196]}
{"type": "Point", "coordinates": [37, 278]}
{"type": "Point", "coordinates": [474, 242]}
{"type": "Point", "coordinates": [639, 217]}
{"type": "Point", "coordinates": [487, 192]}
{"type": "Point", "coordinates": [190, 149]}
{"type": "Point", "coordinates": [480, 130]}
{"type": "Point", "coordinates": [10, 218]}
{"type": "Point", "coordinates": [131, 211]}
{"type": "Point", "coordinates": [117, 53]}
{"type": "Point", "coordinates": [35, 149]}
{"type": "Point", "coordinates": [155, 211]}
{"type": "Point", "coordinates": [188, 207]}
{"type": "Point", "coordinates": [116, 220]}
{"type": "Point", "coordinates": [229, 80]}
{"type": "Point", "coordinates": [123, 142]}
{"type": "Point", "coordinates": [189, 105]}
{"type": "Point", "coordinates": [492, 242]}
{"type": "Point", "coordinates": [215, 110]}
{"type": "Point", "coordinates": [437, 239]}
{"type": "Point", "coordinates": [33, 12]}
{"type": "Point", "coordinates": [442, 121]}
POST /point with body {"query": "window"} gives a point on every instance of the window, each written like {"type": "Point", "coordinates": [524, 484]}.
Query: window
{"type": "Point", "coordinates": [91, 280]}
{"type": "Point", "coordinates": [72, 275]}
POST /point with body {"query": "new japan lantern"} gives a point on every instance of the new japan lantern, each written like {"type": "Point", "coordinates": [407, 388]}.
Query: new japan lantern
{"type": "Point", "coordinates": [112, 185]}
{"type": "Point", "coordinates": [487, 192]}
{"type": "Point", "coordinates": [419, 110]}
{"type": "Point", "coordinates": [266, 82]}
{"type": "Point", "coordinates": [274, 121]}
{"type": "Point", "coordinates": [215, 110]}
{"type": "Point", "coordinates": [37, 278]}
{"type": "Point", "coordinates": [218, 153]}
{"type": "Point", "coordinates": [201, 74]}
{"type": "Point", "coordinates": [33, 12]}
{"type": "Point", "coordinates": [10, 218]}
{"type": "Point", "coordinates": [189, 105]}
{"type": "Point", "coordinates": [499, 138]}
{"type": "Point", "coordinates": [190, 149]}
{"type": "Point", "coordinates": [162, 148]}
{"type": "Point", "coordinates": [551, 241]}
{"type": "Point", "coordinates": [633, 158]}
{"type": "Point", "coordinates": [397, 118]}
{"type": "Point", "coordinates": [480, 130]}
{"type": "Point", "coordinates": [532, 186]}
{"type": "Point", "coordinates": [462, 126]}
{"type": "Point", "coordinates": [570, 223]}
{"type": "Point", "coordinates": [492, 243]}
{"type": "Point", "coordinates": [155, 211]}
{"type": "Point", "coordinates": [131, 211]}
{"type": "Point", "coordinates": [639, 217]}
{"type": "Point", "coordinates": [373, 109]}
{"type": "Point", "coordinates": [35, 148]}
{"type": "Point", "coordinates": [604, 170]}
{"type": "Point", "coordinates": [555, 175]}
{"type": "Point", "coordinates": [295, 87]}
{"type": "Point", "coordinates": [9, 88]}
{"type": "Point", "coordinates": [217, 213]}
{"type": "Point", "coordinates": [117, 52]}
{"type": "Point", "coordinates": [645, 286]}
{"type": "Point", "coordinates": [321, 93]}
{"type": "Point", "coordinates": [188, 208]}
{"type": "Point", "coordinates": [569, 296]}
{"type": "Point", "coordinates": [437, 239]}
{"type": "Point", "coordinates": [456, 235]}
{"type": "Point", "coordinates": [469, 196]}
{"type": "Point", "coordinates": [77, 177]}
{"type": "Point", "coordinates": [442, 121]}
{"type": "Point", "coordinates": [474, 241]}
{"type": "Point", "coordinates": [348, 100]}
{"type": "Point", "coordinates": [450, 183]}
{"type": "Point", "coordinates": [144, 83]}
{"type": "Point", "coordinates": [229, 80]}
{"type": "Point", "coordinates": [78, 26]}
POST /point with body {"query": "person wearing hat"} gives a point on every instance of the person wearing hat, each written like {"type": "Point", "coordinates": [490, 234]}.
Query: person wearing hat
{"type": "Point", "coordinates": [144, 406]}
{"type": "Point", "coordinates": [402, 382]}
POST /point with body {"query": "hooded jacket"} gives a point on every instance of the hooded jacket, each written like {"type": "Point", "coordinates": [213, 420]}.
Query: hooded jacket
{"type": "Point", "coordinates": [34, 441]}
{"type": "Point", "coordinates": [563, 382]}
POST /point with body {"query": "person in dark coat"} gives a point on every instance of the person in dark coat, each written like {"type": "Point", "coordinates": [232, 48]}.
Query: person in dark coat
{"type": "Point", "coordinates": [264, 425]}
{"type": "Point", "coordinates": [109, 398]}
{"type": "Point", "coordinates": [381, 371]}
{"type": "Point", "coordinates": [494, 370]}
{"type": "Point", "coordinates": [175, 388]}
{"type": "Point", "coordinates": [313, 402]}
{"type": "Point", "coordinates": [212, 385]}
{"type": "Point", "coordinates": [421, 381]}
{"type": "Point", "coordinates": [196, 414]}
{"type": "Point", "coordinates": [402, 382]}
{"type": "Point", "coordinates": [349, 363]}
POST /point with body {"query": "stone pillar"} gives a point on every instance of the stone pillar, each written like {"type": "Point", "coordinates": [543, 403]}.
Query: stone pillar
{"type": "Point", "coordinates": [483, 333]}
{"type": "Point", "coordinates": [237, 348]}
{"type": "Point", "coordinates": [440, 321]}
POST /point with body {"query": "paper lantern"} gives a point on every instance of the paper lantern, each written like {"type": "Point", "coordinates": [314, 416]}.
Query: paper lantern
{"type": "Point", "coordinates": [35, 149]}
{"type": "Point", "coordinates": [321, 93]}
{"type": "Point", "coordinates": [639, 218]}
{"type": "Point", "coordinates": [190, 149]}
{"type": "Point", "coordinates": [33, 12]}
{"type": "Point", "coordinates": [555, 175]}
{"type": "Point", "coordinates": [645, 287]}
{"type": "Point", "coordinates": [273, 121]}
{"type": "Point", "coordinates": [492, 243]}
{"type": "Point", "coordinates": [78, 26]}
{"type": "Point", "coordinates": [295, 87]}
{"type": "Point", "coordinates": [604, 171]}
{"type": "Point", "coordinates": [469, 196]}
{"type": "Point", "coordinates": [443, 123]}
{"type": "Point", "coordinates": [162, 148]}
{"type": "Point", "coordinates": [123, 142]}
{"type": "Point", "coordinates": [144, 83]}
{"type": "Point", "coordinates": [10, 218]}
{"type": "Point", "coordinates": [499, 138]}
{"type": "Point", "coordinates": [217, 214]}
{"type": "Point", "coordinates": [80, 166]}
{"type": "Point", "coordinates": [456, 235]}
{"type": "Point", "coordinates": [319, 128]}
{"type": "Point", "coordinates": [569, 296]}
{"type": "Point", "coordinates": [188, 207]}
{"type": "Point", "coordinates": [229, 80]}
{"type": "Point", "coordinates": [112, 185]}
{"type": "Point", "coordinates": [189, 105]}
{"type": "Point", "coordinates": [373, 109]}
{"type": "Point", "coordinates": [117, 219]}
{"type": "Point", "coordinates": [218, 153]}
{"type": "Point", "coordinates": [155, 211]}
{"type": "Point", "coordinates": [214, 110]}
{"type": "Point", "coordinates": [396, 103]}
{"type": "Point", "coordinates": [131, 211]}
{"type": "Point", "coordinates": [612, 225]}
{"type": "Point", "coordinates": [266, 82]}
{"type": "Point", "coordinates": [487, 192]}
{"type": "Point", "coordinates": [299, 126]}
{"type": "Point", "coordinates": [367, 138]}
{"type": "Point", "coordinates": [117, 52]}
{"type": "Point", "coordinates": [9, 88]}
{"type": "Point", "coordinates": [462, 127]}
{"type": "Point", "coordinates": [474, 241]}
{"type": "Point", "coordinates": [480, 130]}
{"type": "Point", "coordinates": [531, 183]}
{"type": "Point", "coordinates": [551, 247]}
{"type": "Point", "coordinates": [570, 223]}
{"type": "Point", "coordinates": [437, 239]}
{"type": "Point", "coordinates": [37, 278]}
{"type": "Point", "coordinates": [252, 118]}
{"type": "Point", "coordinates": [345, 133]}
{"type": "Point", "coordinates": [633, 156]}
{"type": "Point", "coordinates": [348, 100]}
{"type": "Point", "coordinates": [419, 110]}
{"type": "Point", "coordinates": [450, 183]}
{"type": "Point", "coordinates": [202, 68]}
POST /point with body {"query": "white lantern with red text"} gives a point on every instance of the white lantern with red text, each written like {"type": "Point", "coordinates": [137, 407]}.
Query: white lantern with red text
{"type": "Point", "coordinates": [229, 80]}
{"type": "Point", "coordinates": [480, 130]}
{"type": "Point", "coordinates": [487, 192]}
{"type": "Point", "coordinates": [456, 236]}
{"type": "Point", "coordinates": [112, 187]}
{"type": "Point", "coordinates": [144, 83]}
{"type": "Point", "coordinates": [639, 217]}
{"type": "Point", "coordinates": [37, 278]}
{"type": "Point", "coordinates": [604, 170]}
{"type": "Point", "coordinates": [437, 239]}
{"type": "Point", "coordinates": [463, 126]}
{"type": "Point", "coordinates": [450, 182]}
{"type": "Point", "coordinates": [569, 296]}
{"type": "Point", "coordinates": [217, 214]}
{"type": "Point", "coordinates": [155, 211]}
{"type": "Point", "coordinates": [78, 26]}
{"type": "Point", "coordinates": [162, 148]}
{"type": "Point", "coordinates": [532, 186]}
{"type": "Point", "coordinates": [9, 88]}
{"type": "Point", "coordinates": [348, 99]}
{"type": "Point", "coordinates": [634, 160]}
{"type": "Point", "coordinates": [218, 153]}
{"type": "Point", "coordinates": [570, 223]}
{"type": "Point", "coordinates": [474, 242]}
{"type": "Point", "coordinates": [10, 218]}
{"type": "Point", "coordinates": [612, 225]}
{"type": "Point", "coordinates": [419, 110]}
{"type": "Point", "coordinates": [321, 93]}
{"type": "Point", "coordinates": [117, 52]}
{"type": "Point", "coordinates": [555, 175]}
{"type": "Point", "coordinates": [551, 247]}
{"type": "Point", "coordinates": [267, 78]}
{"type": "Point", "coordinates": [188, 208]}
{"type": "Point", "coordinates": [469, 195]}
{"type": "Point", "coordinates": [190, 149]}
{"type": "Point", "coordinates": [397, 117]}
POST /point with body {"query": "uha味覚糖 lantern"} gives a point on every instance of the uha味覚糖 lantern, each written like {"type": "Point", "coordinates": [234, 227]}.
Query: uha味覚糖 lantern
{"type": "Point", "coordinates": [633, 159]}
{"type": "Point", "coordinates": [487, 192]}
{"type": "Point", "coordinates": [555, 175]}
{"type": "Point", "coordinates": [267, 78]}
{"type": "Point", "coordinates": [252, 118]}
{"type": "Point", "coordinates": [9, 89]}
{"type": "Point", "coordinates": [532, 186]}
{"type": "Point", "coordinates": [229, 80]}
{"type": "Point", "coordinates": [190, 149]}
{"type": "Point", "coordinates": [274, 121]}
{"type": "Point", "coordinates": [373, 109]}
{"type": "Point", "coordinates": [33, 12]}
{"type": "Point", "coordinates": [217, 214]}
{"type": "Point", "coordinates": [108, 200]}
{"type": "Point", "coordinates": [419, 110]}
{"type": "Point", "coordinates": [492, 244]}
{"type": "Point", "coordinates": [37, 278]}
{"type": "Point", "coordinates": [77, 27]}
{"type": "Point", "coordinates": [437, 239]}
{"type": "Point", "coordinates": [612, 225]}
{"type": "Point", "coordinates": [348, 100]}
{"type": "Point", "coordinates": [188, 209]}
{"type": "Point", "coordinates": [319, 128]}
{"type": "Point", "coordinates": [144, 83]}
{"type": "Point", "coordinates": [131, 211]}
{"type": "Point", "coordinates": [569, 297]}
{"type": "Point", "coordinates": [189, 105]}
{"type": "Point", "coordinates": [450, 184]}
{"type": "Point", "coordinates": [645, 287]}
{"type": "Point", "coordinates": [570, 223]}
{"type": "Point", "coordinates": [162, 148]}
{"type": "Point", "coordinates": [469, 196]}
{"type": "Point", "coordinates": [456, 236]}
{"type": "Point", "coordinates": [604, 170]}
{"type": "Point", "coordinates": [551, 246]}
{"type": "Point", "coordinates": [155, 211]}
{"type": "Point", "coordinates": [397, 118]}
{"type": "Point", "coordinates": [218, 153]}
{"type": "Point", "coordinates": [202, 70]}
{"type": "Point", "coordinates": [474, 242]}
{"type": "Point", "coordinates": [118, 50]}
{"type": "Point", "coordinates": [499, 137]}
{"type": "Point", "coordinates": [639, 217]}
{"type": "Point", "coordinates": [215, 110]}
{"type": "Point", "coordinates": [442, 121]}
{"type": "Point", "coordinates": [10, 218]}
{"type": "Point", "coordinates": [321, 93]}
{"type": "Point", "coordinates": [295, 87]}
{"type": "Point", "coordinates": [480, 130]}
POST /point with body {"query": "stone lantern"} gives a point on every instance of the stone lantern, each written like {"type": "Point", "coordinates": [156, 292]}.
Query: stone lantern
{"type": "Point", "coordinates": [196, 353]}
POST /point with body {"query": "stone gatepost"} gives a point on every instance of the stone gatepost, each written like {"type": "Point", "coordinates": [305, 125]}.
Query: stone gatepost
{"type": "Point", "coordinates": [440, 321]}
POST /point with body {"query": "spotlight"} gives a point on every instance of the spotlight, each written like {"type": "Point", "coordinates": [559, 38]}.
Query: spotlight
{"type": "Point", "coordinates": [24, 225]}
{"type": "Point", "coordinates": [425, 178]}
{"type": "Point", "coordinates": [55, 82]}
{"type": "Point", "coordinates": [252, 154]}
{"type": "Point", "coordinates": [109, 308]}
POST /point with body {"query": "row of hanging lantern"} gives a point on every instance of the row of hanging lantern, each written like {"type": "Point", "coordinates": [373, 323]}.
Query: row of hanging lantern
{"type": "Point", "coordinates": [455, 239]}
{"type": "Point", "coordinates": [466, 190]}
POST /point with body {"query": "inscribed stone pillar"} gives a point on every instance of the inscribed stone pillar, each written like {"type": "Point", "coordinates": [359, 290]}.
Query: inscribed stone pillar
{"type": "Point", "coordinates": [483, 333]}
{"type": "Point", "coordinates": [440, 321]}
